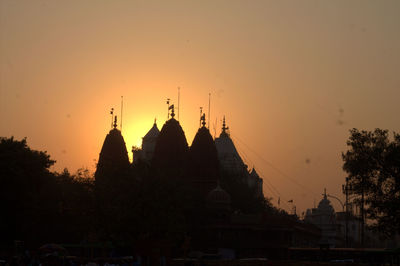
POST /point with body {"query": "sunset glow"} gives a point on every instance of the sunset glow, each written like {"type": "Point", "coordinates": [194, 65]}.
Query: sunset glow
{"type": "Point", "coordinates": [292, 77]}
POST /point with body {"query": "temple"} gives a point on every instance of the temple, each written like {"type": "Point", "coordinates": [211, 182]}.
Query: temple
{"type": "Point", "coordinates": [228, 210]}
{"type": "Point", "coordinates": [232, 163]}
{"type": "Point", "coordinates": [113, 156]}
{"type": "Point", "coordinates": [207, 157]}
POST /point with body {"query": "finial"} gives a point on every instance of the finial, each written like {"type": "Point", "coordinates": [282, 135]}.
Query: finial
{"type": "Point", "coordinates": [324, 193]}
{"type": "Point", "coordinates": [115, 122]}
{"type": "Point", "coordinates": [203, 119]}
{"type": "Point", "coordinates": [172, 111]}
{"type": "Point", "coordinates": [155, 120]}
{"type": "Point", "coordinates": [224, 127]}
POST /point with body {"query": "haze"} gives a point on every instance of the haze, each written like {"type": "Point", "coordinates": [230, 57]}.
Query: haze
{"type": "Point", "coordinates": [292, 77]}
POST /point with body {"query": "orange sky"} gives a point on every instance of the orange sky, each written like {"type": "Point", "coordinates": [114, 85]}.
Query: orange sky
{"type": "Point", "coordinates": [283, 72]}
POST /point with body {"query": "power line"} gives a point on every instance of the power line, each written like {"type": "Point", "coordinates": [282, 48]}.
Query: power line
{"type": "Point", "coordinates": [276, 168]}
{"type": "Point", "coordinates": [268, 183]}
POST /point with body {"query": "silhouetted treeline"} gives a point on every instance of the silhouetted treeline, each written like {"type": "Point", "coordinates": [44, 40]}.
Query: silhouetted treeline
{"type": "Point", "coordinates": [37, 205]}
{"type": "Point", "coordinates": [130, 203]}
{"type": "Point", "coordinates": [372, 163]}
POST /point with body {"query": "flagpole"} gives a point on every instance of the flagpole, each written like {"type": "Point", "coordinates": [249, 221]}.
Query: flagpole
{"type": "Point", "coordinates": [179, 95]}
{"type": "Point", "coordinates": [122, 106]}
{"type": "Point", "coordinates": [209, 101]}
{"type": "Point", "coordinates": [168, 108]}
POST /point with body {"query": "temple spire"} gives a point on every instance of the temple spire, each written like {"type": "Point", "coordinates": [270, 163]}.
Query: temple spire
{"type": "Point", "coordinates": [203, 119]}
{"type": "Point", "coordinates": [115, 122]}
{"type": "Point", "coordinates": [201, 115]}
{"type": "Point", "coordinates": [172, 111]}
{"type": "Point", "coordinates": [224, 127]}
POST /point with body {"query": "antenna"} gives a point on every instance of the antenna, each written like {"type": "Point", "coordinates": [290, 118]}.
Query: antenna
{"type": "Point", "coordinates": [122, 106]}
{"type": "Point", "coordinates": [179, 96]}
{"type": "Point", "coordinates": [112, 116]}
{"type": "Point", "coordinates": [168, 108]}
{"type": "Point", "coordinates": [209, 101]}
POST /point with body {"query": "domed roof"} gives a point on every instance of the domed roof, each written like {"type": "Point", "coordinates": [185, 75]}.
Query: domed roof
{"type": "Point", "coordinates": [153, 132]}
{"type": "Point", "coordinates": [203, 155]}
{"type": "Point", "coordinates": [171, 146]}
{"type": "Point", "coordinates": [219, 196]}
{"type": "Point", "coordinates": [324, 206]}
{"type": "Point", "coordinates": [113, 154]}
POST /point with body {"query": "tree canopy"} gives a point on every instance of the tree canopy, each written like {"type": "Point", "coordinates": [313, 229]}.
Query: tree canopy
{"type": "Point", "coordinates": [372, 163]}
{"type": "Point", "coordinates": [40, 206]}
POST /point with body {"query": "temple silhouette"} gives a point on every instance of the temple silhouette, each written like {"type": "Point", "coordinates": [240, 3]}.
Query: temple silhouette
{"type": "Point", "coordinates": [231, 215]}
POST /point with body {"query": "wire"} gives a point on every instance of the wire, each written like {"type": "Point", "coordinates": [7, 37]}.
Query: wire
{"type": "Point", "coordinates": [268, 183]}
{"type": "Point", "coordinates": [276, 168]}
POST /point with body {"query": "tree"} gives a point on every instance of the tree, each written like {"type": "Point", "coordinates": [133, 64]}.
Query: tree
{"type": "Point", "coordinates": [373, 166]}
{"type": "Point", "coordinates": [26, 191]}
{"type": "Point", "coordinates": [76, 205]}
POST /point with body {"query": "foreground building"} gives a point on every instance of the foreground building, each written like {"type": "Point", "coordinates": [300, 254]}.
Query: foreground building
{"type": "Point", "coordinates": [217, 224]}
{"type": "Point", "coordinates": [229, 160]}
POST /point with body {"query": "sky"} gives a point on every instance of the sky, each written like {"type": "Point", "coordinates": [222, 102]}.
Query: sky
{"type": "Point", "coordinates": [291, 77]}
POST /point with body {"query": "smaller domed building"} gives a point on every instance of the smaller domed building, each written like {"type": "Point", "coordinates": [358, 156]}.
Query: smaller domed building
{"type": "Point", "coordinates": [324, 217]}
{"type": "Point", "coordinates": [218, 199]}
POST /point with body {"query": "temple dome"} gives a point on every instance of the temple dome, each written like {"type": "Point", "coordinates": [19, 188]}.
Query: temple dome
{"type": "Point", "coordinates": [171, 146]}
{"type": "Point", "coordinates": [219, 198]}
{"type": "Point", "coordinates": [113, 155]}
{"type": "Point", "coordinates": [229, 157]}
{"type": "Point", "coordinates": [203, 163]}
{"type": "Point", "coordinates": [325, 207]}
{"type": "Point", "coordinates": [203, 154]}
